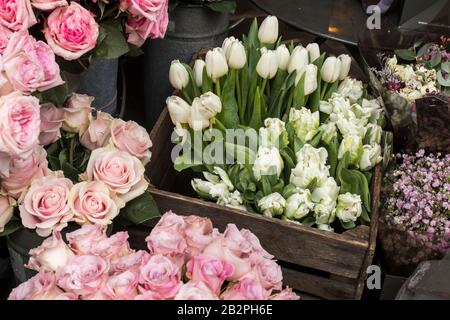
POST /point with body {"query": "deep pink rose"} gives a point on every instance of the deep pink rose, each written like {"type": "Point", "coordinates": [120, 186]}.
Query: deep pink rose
{"type": "Point", "coordinates": [130, 137]}
{"type": "Point", "coordinates": [16, 14]}
{"type": "Point", "coordinates": [83, 275]}
{"type": "Point", "coordinates": [128, 262]}
{"type": "Point", "coordinates": [114, 247]}
{"type": "Point", "coordinates": [286, 294]}
{"type": "Point", "coordinates": [246, 289]}
{"type": "Point", "coordinates": [40, 287]}
{"type": "Point", "coordinates": [48, 5]}
{"type": "Point", "coordinates": [71, 31]}
{"type": "Point", "coordinates": [5, 35]}
{"type": "Point", "coordinates": [167, 240]}
{"type": "Point", "coordinates": [51, 255]}
{"type": "Point", "coordinates": [198, 234]}
{"type": "Point", "coordinates": [98, 131]}
{"type": "Point", "coordinates": [161, 276]}
{"type": "Point", "coordinates": [19, 124]}
{"type": "Point", "coordinates": [77, 110]}
{"type": "Point", "coordinates": [6, 210]}
{"type": "Point", "coordinates": [22, 171]}
{"type": "Point", "coordinates": [29, 64]}
{"type": "Point", "coordinates": [122, 286]}
{"type": "Point", "coordinates": [82, 240]}
{"type": "Point", "coordinates": [92, 203]}
{"type": "Point", "coordinates": [268, 273]}
{"type": "Point", "coordinates": [45, 206]}
{"type": "Point", "coordinates": [209, 270]}
{"type": "Point", "coordinates": [51, 122]}
{"type": "Point", "coordinates": [195, 290]}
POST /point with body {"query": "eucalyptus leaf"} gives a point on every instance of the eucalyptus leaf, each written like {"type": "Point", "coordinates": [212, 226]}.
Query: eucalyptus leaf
{"type": "Point", "coordinates": [443, 82]}
{"type": "Point", "coordinates": [435, 60]}
{"type": "Point", "coordinates": [406, 54]}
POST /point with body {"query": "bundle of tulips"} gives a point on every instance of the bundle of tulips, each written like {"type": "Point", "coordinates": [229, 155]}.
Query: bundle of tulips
{"type": "Point", "coordinates": [279, 130]}
{"type": "Point", "coordinates": [188, 260]}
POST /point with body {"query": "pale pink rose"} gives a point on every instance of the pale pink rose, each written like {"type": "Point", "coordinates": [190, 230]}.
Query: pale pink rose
{"type": "Point", "coordinates": [51, 255]}
{"type": "Point", "coordinates": [286, 294]}
{"type": "Point", "coordinates": [99, 294]}
{"type": "Point", "coordinates": [22, 171]}
{"type": "Point", "coordinates": [195, 290]}
{"type": "Point", "coordinates": [48, 5]}
{"type": "Point", "coordinates": [122, 286]}
{"type": "Point", "coordinates": [92, 203]}
{"type": "Point", "coordinates": [88, 236]}
{"type": "Point", "coordinates": [40, 287]}
{"type": "Point", "coordinates": [169, 218]}
{"type": "Point", "coordinates": [16, 14]}
{"type": "Point", "coordinates": [51, 122]}
{"type": "Point", "coordinates": [114, 247]}
{"type": "Point", "coordinates": [129, 262]}
{"type": "Point", "coordinates": [5, 35]}
{"type": "Point", "coordinates": [66, 296]}
{"type": "Point", "coordinates": [19, 124]}
{"type": "Point", "coordinates": [71, 31]}
{"type": "Point", "coordinates": [268, 273]}
{"type": "Point", "coordinates": [148, 295]}
{"type": "Point", "coordinates": [6, 210]}
{"type": "Point", "coordinates": [160, 275]}
{"type": "Point", "coordinates": [29, 64]}
{"type": "Point", "coordinates": [98, 131]}
{"type": "Point", "coordinates": [83, 275]}
{"type": "Point", "coordinates": [255, 244]}
{"type": "Point", "coordinates": [209, 270]}
{"type": "Point", "coordinates": [120, 171]}
{"type": "Point", "coordinates": [198, 234]}
{"type": "Point", "coordinates": [77, 110]}
{"type": "Point", "coordinates": [130, 137]}
{"type": "Point", "coordinates": [246, 289]}
{"type": "Point", "coordinates": [236, 242]}
{"type": "Point", "coordinates": [167, 240]}
{"type": "Point", "coordinates": [44, 206]}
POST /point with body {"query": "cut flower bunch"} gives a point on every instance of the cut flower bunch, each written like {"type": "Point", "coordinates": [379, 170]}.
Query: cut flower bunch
{"type": "Point", "coordinates": [308, 135]}
{"type": "Point", "coordinates": [188, 259]}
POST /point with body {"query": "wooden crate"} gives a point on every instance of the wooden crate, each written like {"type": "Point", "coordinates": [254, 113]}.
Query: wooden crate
{"type": "Point", "coordinates": [317, 263]}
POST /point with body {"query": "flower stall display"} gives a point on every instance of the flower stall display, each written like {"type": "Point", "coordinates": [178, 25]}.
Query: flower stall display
{"type": "Point", "coordinates": [70, 164]}
{"type": "Point", "coordinates": [415, 217]}
{"type": "Point", "coordinates": [308, 135]}
{"type": "Point", "coordinates": [188, 259]}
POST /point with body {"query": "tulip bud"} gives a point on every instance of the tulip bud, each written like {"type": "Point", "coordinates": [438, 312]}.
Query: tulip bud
{"type": "Point", "coordinates": [371, 155]}
{"type": "Point", "coordinates": [178, 75]}
{"type": "Point", "coordinates": [346, 63]}
{"type": "Point", "coordinates": [314, 51]}
{"type": "Point", "coordinates": [283, 56]}
{"type": "Point", "coordinates": [310, 79]}
{"type": "Point", "coordinates": [216, 64]}
{"type": "Point", "coordinates": [178, 109]}
{"type": "Point", "coordinates": [330, 70]}
{"type": "Point", "coordinates": [272, 205]}
{"type": "Point", "coordinates": [349, 207]}
{"type": "Point", "coordinates": [268, 31]}
{"type": "Point", "coordinates": [267, 65]}
{"type": "Point", "coordinates": [352, 144]}
{"type": "Point", "coordinates": [268, 162]}
{"type": "Point", "coordinates": [299, 59]}
{"type": "Point", "coordinates": [236, 56]}
{"type": "Point", "coordinates": [227, 43]}
{"type": "Point", "coordinates": [199, 65]}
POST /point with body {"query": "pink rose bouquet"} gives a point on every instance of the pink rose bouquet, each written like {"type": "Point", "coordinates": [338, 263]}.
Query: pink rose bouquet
{"type": "Point", "coordinates": [94, 266]}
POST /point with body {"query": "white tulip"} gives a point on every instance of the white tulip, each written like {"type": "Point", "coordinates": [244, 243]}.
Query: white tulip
{"type": "Point", "coordinates": [232, 200]}
{"type": "Point", "coordinates": [330, 69]}
{"type": "Point", "coordinates": [353, 145]}
{"type": "Point", "coordinates": [272, 205]}
{"type": "Point", "coordinates": [178, 75]}
{"type": "Point", "coordinates": [236, 56]}
{"type": "Point", "coordinates": [325, 214]}
{"type": "Point", "coordinates": [216, 64]}
{"type": "Point", "coordinates": [346, 63]}
{"type": "Point", "coordinates": [299, 59]}
{"type": "Point", "coordinates": [299, 205]}
{"type": "Point", "coordinates": [283, 56]}
{"type": "Point", "coordinates": [349, 207]}
{"type": "Point", "coordinates": [178, 109]}
{"type": "Point", "coordinates": [325, 107]}
{"type": "Point", "coordinates": [314, 51]}
{"type": "Point", "coordinates": [274, 131]}
{"type": "Point", "coordinates": [306, 124]}
{"type": "Point", "coordinates": [329, 132]}
{"type": "Point", "coordinates": [351, 88]}
{"type": "Point", "coordinates": [224, 177]}
{"type": "Point", "coordinates": [374, 132]}
{"type": "Point", "coordinates": [371, 156]}
{"type": "Point", "coordinates": [268, 162]}
{"type": "Point", "coordinates": [197, 119]}
{"type": "Point", "coordinates": [227, 43]}
{"type": "Point", "coordinates": [202, 187]}
{"type": "Point", "coordinates": [211, 104]}
{"type": "Point", "coordinates": [375, 109]}
{"type": "Point", "coordinates": [326, 192]}
{"type": "Point", "coordinates": [199, 66]}
{"type": "Point", "coordinates": [310, 79]}
{"type": "Point", "coordinates": [267, 66]}
{"type": "Point", "coordinates": [311, 164]}
{"type": "Point", "coordinates": [268, 31]}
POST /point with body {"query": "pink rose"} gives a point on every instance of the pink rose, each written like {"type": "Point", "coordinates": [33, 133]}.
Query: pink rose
{"type": "Point", "coordinates": [40, 287]}
{"type": "Point", "coordinates": [148, 295]}
{"type": "Point", "coordinates": [161, 276]}
{"type": "Point", "coordinates": [122, 286]}
{"type": "Point", "coordinates": [195, 291]}
{"type": "Point", "coordinates": [209, 270]}
{"type": "Point", "coordinates": [48, 5]}
{"type": "Point", "coordinates": [22, 171]}
{"type": "Point", "coordinates": [167, 240]}
{"type": "Point", "coordinates": [169, 218]}
{"type": "Point", "coordinates": [16, 14]}
{"type": "Point", "coordinates": [6, 210]}
{"type": "Point", "coordinates": [92, 203]}
{"type": "Point", "coordinates": [51, 122]}
{"type": "Point", "coordinates": [45, 206]}
{"type": "Point", "coordinates": [198, 233]}
{"type": "Point", "coordinates": [132, 138]}
{"type": "Point", "coordinates": [66, 296]}
{"type": "Point", "coordinates": [235, 241]}
{"type": "Point", "coordinates": [83, 275]}
{"type": "Point", "coordinates": [138, 29]}
{"type": "Point", "coordinates": [29, 64]}
{"type": "Point", "coordinates": [19, 124]}
{"type": "Point", "coordinates": [255, 244]}
{"type": "Point", "coordinates": [71, 31]}
{"type": "Point", "coordinates": [98, 131]}
{"type": "Point", "coordinates": [51, 255]}
{"type": "Point", "coordinates": [246, 289]}
{"type": "Point", "coordinates": [114, 247]}
{"type": "Point", "coordinates": [77, 110]}
{"type": "Point", "coordinates": [286, 294]}
{"type": "Point", "coordinates": [82, 240]}
{"type": "Point", "coordinates": [121, 172]}
{"type": "Point", "coordinates": [128, 262]}
{"type": "Point", "coordinates": [5, 35]}
{"type": "Point", "coordinates": [268, 273]}
{"type": "Point", "coordinates": [155, 13]}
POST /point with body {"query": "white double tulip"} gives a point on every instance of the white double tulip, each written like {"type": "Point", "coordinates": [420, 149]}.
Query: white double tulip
{"type": "Point", "coordinates": [349, 207]}
{"type": "Point", "coordinates": [267, 65]}
{"type": "Point", "coordinates": [326, 192]}
{"type": "Point", "coordinates": [268, 30]}
{"type": "Point", "coordinates": [346, 63]}
{"type": "Point", "coordinates": [272, 133]}
{"type": "Point", "coordinates": [272, 205]}
{"type": "Point", "coordinates": [329, 132]}
{"type": "Point", "coordinates": [179, 109]}
{"type": "Point", "coordinates": [373, 133]}
{"type": "Point", "coordinates": [283, 56]}
{"type": "Point", "coordinates": [299, 59]}
{"type": "Point", "coordinates": [313, 50]}
{"type": "Point", "coordinates": [232, 200]}
{"type": "Point", "coordinates": [216, 64]}
{"type": "Point", "coordinates": [178, 75]}
{"type": "Point", "coordinates": [311, 164]}
{"type": "Point", "coordinates": [351, 88]}
{"type": "Point", "coordinates": [371, 156]}
{"type": "Point", "coordinates": [306, 124]}
{"type": "Point", "coordinates": [352, 144]}
{"type": "Point", "coordinates": [331, 69]}
{"type": "Point", "coordinates": [268, 162]}
{"type": "Point", "coordinates": [299, 205]}
{"type": "Point", "coordinates": [375, 108]}
{"type": "Point", "coordinates": [199, 66]}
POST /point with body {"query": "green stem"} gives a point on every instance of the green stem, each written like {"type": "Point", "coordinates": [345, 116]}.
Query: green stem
{"type": "Point", "coordinates": [186, 96]}
{"type": "Point", "coordinates": [263, 86]}
{"type": "Point", "coordinates": [268, 89]}
{"type": "Point", "coordinates": [239, 98]}
{"type": "Point", "coordinates": [324, 90]}
{"type": "Point", "coordinates": [71, 150]}
{"type": "Point", "coordinates": [218, 92]}
{"type": "Point", "coordinates": [289, 104]}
